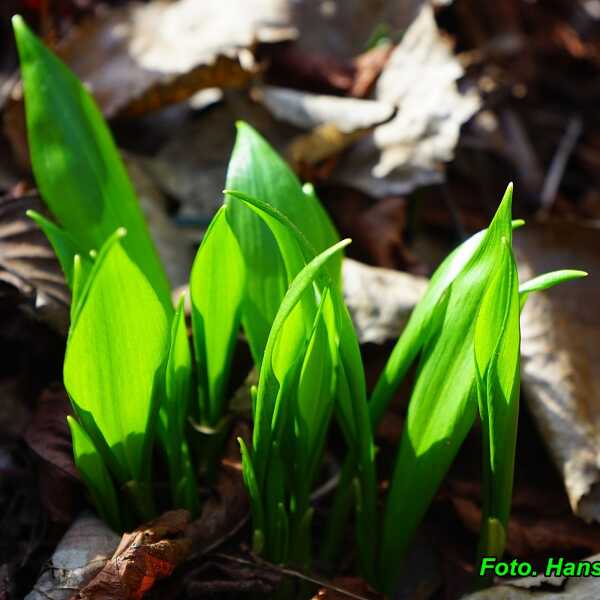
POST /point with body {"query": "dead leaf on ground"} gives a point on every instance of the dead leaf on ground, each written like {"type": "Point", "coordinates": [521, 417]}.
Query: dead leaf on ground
{"type": "Point", "coordinates": [307, 111]}
{"type": "Point", "coordinates": [409, 151]}
{"type": "Point", "coordinates": [561, 380]}
{"type": "Point", "coordinates": [49, 437]}
{"type": "Point", "coordinates": [380, 300]}
{"type": "Point", "coordinates": [144, 56]}
{"type": "Point", "coordinates": [192, 166]}
{"type": "Point", "coordinates": [354, 585]}
{"type": "Point", "coordinates": [143, 556]}
{"type": "Point", "coordinates": [28, 266]}
{"type": "Point", "coordinates": [82, 552]}
{"type": "Point", "coordinates": [533, 534]}
{"type": "Point", "coordinates": [223, 513]}
{"type": "Point", "coordinates": [217, 576]}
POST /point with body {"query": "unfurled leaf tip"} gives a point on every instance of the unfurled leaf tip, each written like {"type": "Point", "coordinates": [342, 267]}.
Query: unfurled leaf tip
{"type": "Point", "coordinates": [18, 23]}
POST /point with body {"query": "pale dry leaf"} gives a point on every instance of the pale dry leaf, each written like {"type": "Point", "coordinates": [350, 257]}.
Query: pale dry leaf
{"type": "Point", "coordinates": [380, 300]}
{"type": "Point", "coordinates": [79, 556]}
{"type": "Point", "coordinates": [420, 80]}
{"type": "Point", "coordinates": [561, 379]}
{"type": "Point", "coordinates": [307, 111]}
{"type": "Point", "coordinates": [192, 165]}
{"type": "Point", "coordinates": [144, 56]}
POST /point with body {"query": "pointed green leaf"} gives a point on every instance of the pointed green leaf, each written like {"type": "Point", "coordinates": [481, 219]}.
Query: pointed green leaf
{"type": "Point", "coordinates": [497, 348]}
{"type": "Point", "coordinates": [217, 285]}
{"type": "Point", "coordinates": [179, 388]}
{"type": "Point", "coordinates": [268, 384]}
{"type": "Point", "coordinates": [414, 335]}
{"type": "Point", "coordinates": [443, 403]}
{"type": "Point", "coordinates": [94, 473]}
{"type": "Point", "coordinates": [62, 243]}
{"type": "Point", "coordinates": [546, 281]}
{"type": "Point", "coordinates": [75, 162]}
{"type": "Point", "coordinates": [257, 170]}
{"type": "Point", "coordinates": [114, 361]}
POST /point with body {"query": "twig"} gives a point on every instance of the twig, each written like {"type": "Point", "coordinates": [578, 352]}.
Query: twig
{"type": "Point", "coordinates": [559, 163]}
{"type": "Point", "coordinates": [257, 562]}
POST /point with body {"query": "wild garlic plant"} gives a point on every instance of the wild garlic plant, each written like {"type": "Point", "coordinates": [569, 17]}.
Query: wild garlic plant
{"type": "Point", "coordinates": [270, 265]}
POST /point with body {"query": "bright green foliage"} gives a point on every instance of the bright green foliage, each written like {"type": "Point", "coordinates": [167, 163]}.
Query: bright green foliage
{"type": "Point", "coordinates": [270, 263]}
{"type": "Point", "coordinates": [63, 244]}
{"type": "Point", "coordinates": [350, 390]}
{"type": "Point", "coordinates": [114, 367]}
{"type": "Point", "coordinates": [497, 343]}
{"type": "Point", "coordinates": [292, 407]}
{"type": "Point", "coordinates": [442, 406]}
{"type": "Point", "coordinates": [95, 475]}
{"type": "Point", "coordinates": [546, 281]}
{"type": "Point", "coordinates": [217, 284]}
{"type": "Point", "coordinates": [256, 170]}
{"type": "Point", "coordinates": [172, 422]}
{"type": "Point", "coordinates": [471, 304]}
{"type": "Point", "coordinates": [76, 164]}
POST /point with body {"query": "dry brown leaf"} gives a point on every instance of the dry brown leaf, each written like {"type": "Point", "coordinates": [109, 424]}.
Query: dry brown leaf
{"type": "Point", "coordinates": [561, 379]}
{"type": "Point", "coordinates": [149, 553]}
{"type": "Point", "coordinates": [79, 556]}
{"type": "Point", "coordinates": [354, 585]}
{"type": "Point", "coordinates": [28, 266]}
{"type": "Point", "coordinates": [144, 56]}
{"type": "Point", "coordinates": [534, 534]}
{"type": "Point", "coordinates": [409, 151]}
{"type": "Point", "coordinates": [49, 437]}
{"type": "Point", "coordinates": [222, 514]}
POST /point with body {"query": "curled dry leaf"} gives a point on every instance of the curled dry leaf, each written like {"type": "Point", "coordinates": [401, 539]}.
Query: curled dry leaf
{"type": "Point", "coordinates": [560, 372]}
{"type": "Point", "coordinates": [81, 553]}
{"type": "Point", "coordinates": [149, 553]}
{"type": "Point", "coordinates": [28, 266]}
{"type": "Point", "coordinates": [408, 151]}
{"type": "Point", "coordinates": [144, 56]}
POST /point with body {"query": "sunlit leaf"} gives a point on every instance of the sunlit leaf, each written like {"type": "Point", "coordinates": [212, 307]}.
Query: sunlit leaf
{"type": "Point", "coordinates": [217, 285]}
{"type": "Point", "coordinates": [95, 475]}
{"type": "Point", "coordinates": [114, 364]}
{"type": "Point", "coordinates": [76, 165]}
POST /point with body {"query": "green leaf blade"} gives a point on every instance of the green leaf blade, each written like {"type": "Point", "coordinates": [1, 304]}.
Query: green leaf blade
{"type": "Point", "coordinates": [75, 161]}
{"type": "Point", "coordinates": [114, 361]}
{"type": "Point", "coordinates": [217, 285]}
